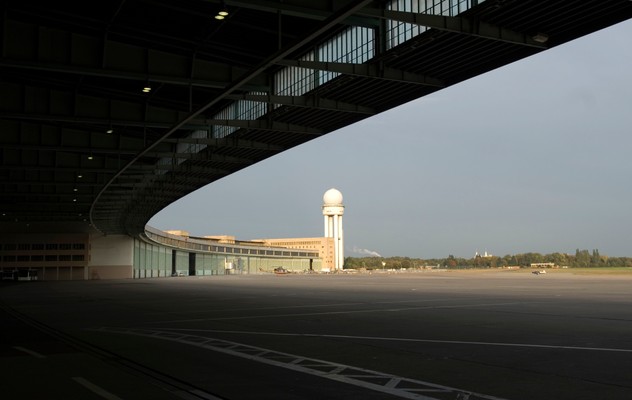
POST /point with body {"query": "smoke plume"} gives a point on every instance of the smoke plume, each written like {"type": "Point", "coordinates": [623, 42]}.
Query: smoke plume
{"type": "Point", "coordinates": [365, 252]}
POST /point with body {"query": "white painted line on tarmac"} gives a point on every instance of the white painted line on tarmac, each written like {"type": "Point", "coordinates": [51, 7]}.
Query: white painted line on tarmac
{"type": "Point", "coordinates": [253, 309]}
{"type": "Point", "coordinates": [95, 389]}
{"type": "Point", "coordinates": [365, 378]}
{"type": "Point", "coordinates": [393, 339]}
{"type": "Point", "coordinates": [29, 352]}
{"type": "Point", "coordinates": [373, 310]}
{"type": "Point", "coordinates": [204, 395]}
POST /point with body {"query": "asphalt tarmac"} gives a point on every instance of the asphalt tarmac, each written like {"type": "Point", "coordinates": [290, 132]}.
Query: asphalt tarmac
{"type": "Point", "coordinates": [431, 335]}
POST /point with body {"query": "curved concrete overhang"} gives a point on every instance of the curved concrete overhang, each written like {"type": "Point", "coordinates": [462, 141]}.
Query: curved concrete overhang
{"type": "Point", "coordinates": [85, 144]}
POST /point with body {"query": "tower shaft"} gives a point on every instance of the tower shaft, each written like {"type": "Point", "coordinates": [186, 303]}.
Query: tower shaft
{"type": "Point", "coordinates": [333, 209]}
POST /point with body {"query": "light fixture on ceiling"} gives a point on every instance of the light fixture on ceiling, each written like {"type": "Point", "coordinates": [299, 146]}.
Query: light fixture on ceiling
{"type": "Point", "coordinates": [146, 88]}
{"type": "Point", "coordinates": [540, 37]}
{"type": "Point", "coordinates": [110, 130]}
{"type": "Point", "coordinates": [222, 13]}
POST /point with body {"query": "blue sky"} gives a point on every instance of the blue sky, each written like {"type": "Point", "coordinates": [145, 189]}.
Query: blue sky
{"type": "Point", "coordinates": [535, 156]}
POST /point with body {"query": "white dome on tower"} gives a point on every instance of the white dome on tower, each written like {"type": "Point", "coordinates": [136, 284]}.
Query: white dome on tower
{"type": "Point", "coordinates": [332, 197]}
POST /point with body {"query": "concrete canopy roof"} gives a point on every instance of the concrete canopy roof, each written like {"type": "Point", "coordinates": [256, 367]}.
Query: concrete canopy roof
{"type": "Point", "coordinates": [81, 142]}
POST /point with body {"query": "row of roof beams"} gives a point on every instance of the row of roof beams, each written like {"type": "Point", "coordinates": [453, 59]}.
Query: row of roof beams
{"type": "Point", "coordinates": [229, 86]}
{"type": "Point", "coordinates": [453, 24]}
{"type": "Point", "coordinates": [460, 25]}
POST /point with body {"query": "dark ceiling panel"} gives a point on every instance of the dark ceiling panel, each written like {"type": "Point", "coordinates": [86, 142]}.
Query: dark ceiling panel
{"type": "Point", "coordinates": [81, 142]}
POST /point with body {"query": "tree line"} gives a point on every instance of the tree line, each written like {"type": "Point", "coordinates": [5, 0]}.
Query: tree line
{"type": "Point", "coordinates": [581, 259]}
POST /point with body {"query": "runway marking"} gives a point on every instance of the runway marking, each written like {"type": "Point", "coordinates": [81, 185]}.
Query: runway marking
{"type": "Point", "coordinates": [295, 307]}
{"type": "Point", "coordinates": [394, 339]}
{"type": "Point", "coordinates": [204, 395]}
{"type": "Point", "coordinates": [365, 378]}
{"type": "Point", "coordinates": [29, 352]}
{"type": "Point", "coordinates": [258, 308]}
{"type": "Point", "coordinates": [95, 389]}
{"type": "Point", "coordinates": [268, 316]}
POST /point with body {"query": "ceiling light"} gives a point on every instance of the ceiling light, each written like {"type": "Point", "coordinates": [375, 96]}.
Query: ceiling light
{"type": "Point", "coordinates": [541, 37]}
{"type": "Point", "coordinates": [222, 13]}
{"type": "Point", "coordinates": [90, 157]}
{"type": "Point", "coordinates": [110, 131]}
{"type": "Point", "coordinates": [146, 88]}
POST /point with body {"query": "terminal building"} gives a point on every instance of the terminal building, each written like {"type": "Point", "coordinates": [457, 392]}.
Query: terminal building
{"type": "Point", "coordinates": [71, 256]}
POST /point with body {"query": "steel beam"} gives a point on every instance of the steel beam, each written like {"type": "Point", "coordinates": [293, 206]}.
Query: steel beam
{"type": "Point", "coordinates": [312, 102]}
{"type": "Point", "coordinates": [367, 71]}
{"type": "Point", "coordinates": [460, 25]}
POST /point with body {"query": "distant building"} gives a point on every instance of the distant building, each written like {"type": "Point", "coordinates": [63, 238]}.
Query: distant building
{"type": "Point", "coordinates": [70, 256]}
{"type": "Point", "coordinates": [543, 265]}
{"type": "Point", "coordinates": [331, 246]}
{"type": "Point", "coordinates": [324, 246]}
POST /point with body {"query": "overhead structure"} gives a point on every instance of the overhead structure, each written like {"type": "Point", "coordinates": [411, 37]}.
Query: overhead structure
{"type": "Point", "coordinates": [112, 110]}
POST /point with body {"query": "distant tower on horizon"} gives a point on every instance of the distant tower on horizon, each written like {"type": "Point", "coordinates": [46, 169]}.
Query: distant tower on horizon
{"type": "Point", "coordinates": [332, 211]}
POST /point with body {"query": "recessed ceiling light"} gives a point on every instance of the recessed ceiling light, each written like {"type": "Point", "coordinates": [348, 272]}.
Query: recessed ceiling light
{"type": "Point", "coordinates": [223, 11]}
{"type": "Point", "coordinates": [218, 16]}
{"type": "Point", "coordinates": [109, 130]}
{"type": "Point", "coordinates": [541, 37]}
